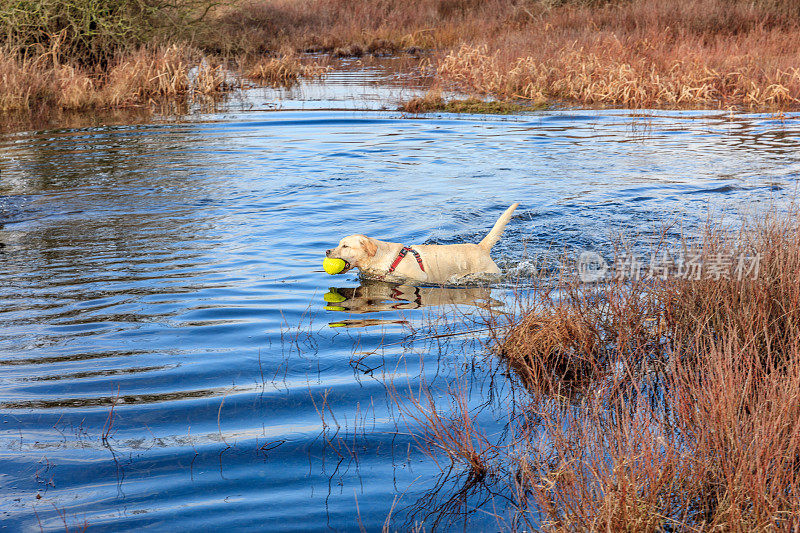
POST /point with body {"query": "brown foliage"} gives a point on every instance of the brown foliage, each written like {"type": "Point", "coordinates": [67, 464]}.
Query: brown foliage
{"type": "Point", "coordinates": [715, 442]}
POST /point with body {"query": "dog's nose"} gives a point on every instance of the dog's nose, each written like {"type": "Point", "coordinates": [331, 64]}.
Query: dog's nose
{"type": "Point", "coordinates": [327, 253]}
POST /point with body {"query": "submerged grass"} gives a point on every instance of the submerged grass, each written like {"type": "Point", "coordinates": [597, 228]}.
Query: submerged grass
{"type": "Point", "coordinates": [434, 101]}
{"type": "Point", "coordinates": [660, 403]}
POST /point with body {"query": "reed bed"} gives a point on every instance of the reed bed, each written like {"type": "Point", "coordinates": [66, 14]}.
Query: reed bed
{"type": "Point", "coordinates": [605, 75]}
{"type": "Point", "coordinates": [284, 71]}
{"type": "Point", "coordinates": [644, 53]}
{"type": "Point", "coordinates": [348, 29]}
{"type": "Point", "coordinates": [666, 402]}
{"type": "Point", "coordinates": [139, 78]}
{"type": "Point", "coordinates": [144, 77]}
{"type": "Point", "coordinates": [638, 53]}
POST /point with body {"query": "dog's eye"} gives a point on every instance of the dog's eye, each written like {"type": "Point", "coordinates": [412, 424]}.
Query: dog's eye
{"type": "Point", "coordinates": [344, 246]}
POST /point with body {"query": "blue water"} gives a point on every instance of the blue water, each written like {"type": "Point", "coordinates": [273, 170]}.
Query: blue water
{"type": "Point", "coordinates": [169, 357]}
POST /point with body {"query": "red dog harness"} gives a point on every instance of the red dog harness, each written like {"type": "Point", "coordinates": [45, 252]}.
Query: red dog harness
{"type": "Point", "coordinates": [403, 251]}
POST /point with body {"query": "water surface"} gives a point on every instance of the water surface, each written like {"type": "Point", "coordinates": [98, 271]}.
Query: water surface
{"type": "Point", "coordinates": [172, 354]}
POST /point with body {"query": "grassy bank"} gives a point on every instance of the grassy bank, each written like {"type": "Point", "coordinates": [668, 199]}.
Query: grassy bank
{"type": "Point", "coordinates": [664, 403]}
{"type": "Point", "coordinates": [636, 53]}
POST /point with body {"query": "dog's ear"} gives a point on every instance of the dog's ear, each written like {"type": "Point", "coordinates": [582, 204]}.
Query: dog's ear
{"type": "Point", "coordinates": [370, 246]}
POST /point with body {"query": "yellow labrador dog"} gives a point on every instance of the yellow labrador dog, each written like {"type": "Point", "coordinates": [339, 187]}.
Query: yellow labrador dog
{"type": "Point", "coordinates": [395, 262]}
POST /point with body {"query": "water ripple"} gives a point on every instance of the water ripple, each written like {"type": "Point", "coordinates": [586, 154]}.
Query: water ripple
{"type": "Point", "coordinates": [172, 272]}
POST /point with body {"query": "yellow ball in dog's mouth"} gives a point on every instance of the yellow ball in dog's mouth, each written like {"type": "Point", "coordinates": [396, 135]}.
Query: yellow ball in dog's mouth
{"type": "Point", "coordinates": [333, 265]}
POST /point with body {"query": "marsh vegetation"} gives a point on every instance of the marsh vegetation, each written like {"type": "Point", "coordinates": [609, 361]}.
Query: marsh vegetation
{"type": "Point", "coordinates": [652, 404]}
{"type": "Point", "coordinates": [642, 53]}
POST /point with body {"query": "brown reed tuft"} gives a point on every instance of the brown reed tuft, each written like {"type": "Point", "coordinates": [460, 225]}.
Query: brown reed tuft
{"type": "Point", "coordinates": [284, 71]}
{"type": "Point", "coordinates": [434, 101]}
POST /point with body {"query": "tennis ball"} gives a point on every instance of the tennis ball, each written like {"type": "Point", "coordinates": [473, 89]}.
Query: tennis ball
{"type": "Point", "coordinates": [333, 266]}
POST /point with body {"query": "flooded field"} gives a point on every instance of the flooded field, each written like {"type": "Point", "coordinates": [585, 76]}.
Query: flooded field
{"type": "Point", "coordinates": [173, 355]}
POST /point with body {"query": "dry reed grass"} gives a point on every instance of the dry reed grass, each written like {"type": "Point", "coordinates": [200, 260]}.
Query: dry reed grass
{"type": "Point", "coordinates": [716, 443]}
{"type": "Point", "coordinates": [27, 83]}
{"type": "Point", "coordinates": [142, 77]}
{"type": "Point", "coordinates": [284, 71]}
{"type": "Point", "coordinates": [349, 28]}
{"type": "Point", "coordinates": [604, 75]}
{"type": "Point", "coordinates": [641, 53]}
{"type": "Point", "coordinates": [652, 404]}
{"type": "Point", "coordinates": [637, 53]}
{"type": "Point", "coordinates": [644, 53]}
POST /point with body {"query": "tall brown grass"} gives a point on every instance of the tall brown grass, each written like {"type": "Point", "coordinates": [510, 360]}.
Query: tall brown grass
{"type": "Point", "coordinates": [715, 443]}
{"type": "Point", "coordinates": [350, 28]}
{"type": "Point", "coordinates": [638, 53]}
{"type": "Point", "coordinates": [663, 403]}
{"type": "Point", "coordinates": [133, 79]}
{"type": "Point", "coordinates": [146, 76]}
{"type": "Point", "coordinates": [644, 53]}
{"type": "Point", "coordinates": [607, 72]}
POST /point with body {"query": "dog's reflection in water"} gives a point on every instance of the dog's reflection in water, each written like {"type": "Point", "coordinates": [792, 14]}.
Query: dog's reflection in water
{"type": "Point", "coordinates": [377, 296]}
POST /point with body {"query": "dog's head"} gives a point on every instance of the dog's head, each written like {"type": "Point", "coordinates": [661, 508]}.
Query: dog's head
{"type": "Point", "coordinates": [355, 250]}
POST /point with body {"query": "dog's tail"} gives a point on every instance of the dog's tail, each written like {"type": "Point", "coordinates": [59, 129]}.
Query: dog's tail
{"type": "Point", "coordinates": [498, 228]}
